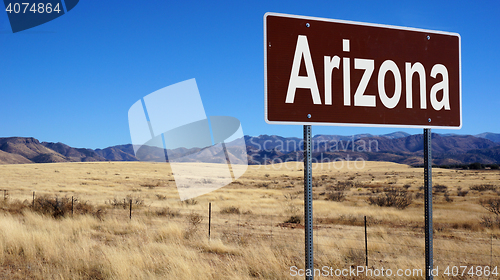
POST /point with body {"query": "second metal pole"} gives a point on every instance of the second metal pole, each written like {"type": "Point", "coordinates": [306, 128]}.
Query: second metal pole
{"type": "Point", "coordinates": [209, 218]}
{"type": "Point", "coordinates": [308, 207]}
{"type": "Point", "coordinates": [428, 203]}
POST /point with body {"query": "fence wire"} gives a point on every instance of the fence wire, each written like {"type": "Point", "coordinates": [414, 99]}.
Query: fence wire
{"type": "Point", "coordinates": [381, 242]}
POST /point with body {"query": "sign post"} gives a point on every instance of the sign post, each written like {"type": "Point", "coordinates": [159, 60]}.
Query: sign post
{"type": "Point", "coordinates": [308, 201]}
{"type": "Point", "coordinates": [428, 203]}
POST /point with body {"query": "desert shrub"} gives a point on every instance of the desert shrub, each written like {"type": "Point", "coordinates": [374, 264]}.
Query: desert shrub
{"type": "Point", "coordinates": [190, 201]}
{"type": "Point", "coordinates": [492, 205]}
{"type": "Point", "coordinates": [462, 193]}
{"type": "Point", "coordinates": [350, 220]}
{"type": "Point", "coordinates": [137, 201]}
{"type": "Point", "coordinates": [161, 196]}
{"type": "Point", "coordinates": [82, 207]}
{"type": "Point", "coordinates": [447, 197]}
{"type": "Point", "coordinates": [116, 203]}
{"type": "Point", "coordinates": [338, 196]}
{"type": "Point", "coordinates": [125, 203]}
{"type": "Point", "coordinates": [230, 210]}
{"type": "Point", "coordinates": [341, 186]}
{"type": "Point", "coordinates": [440, 188]}
{"type": "Point", "coordinates": [168, 212]}
{"type": "Point", "coordinates": [483, 187]}
{"type": "Point", "coordinates": [490, 222]}
{"type": "Point", "coordinates": [392, 197]}
{"type": "Point", "coordinates": [194, 220]}
{"type": "Point", "coordinates": [264, 185]}
{"type": "Point", "coordinates": [355, 257]}
{"type": "Point", "coordinates": [345, 185]}
{"type": "Point", "coordinates": [494, 166]}
{"type": "Point", "coordinates": [295, 219]}
{"type": "Point", "coordinates": [290, 206]}
{"type": "Point", "coordinates": [60, 207]}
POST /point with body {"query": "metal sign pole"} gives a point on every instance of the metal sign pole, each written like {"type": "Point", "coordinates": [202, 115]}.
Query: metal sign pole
{"type": "Point", "coordinates": [428, 203]}
{"type": "Point", "coordinates": [308, 207]}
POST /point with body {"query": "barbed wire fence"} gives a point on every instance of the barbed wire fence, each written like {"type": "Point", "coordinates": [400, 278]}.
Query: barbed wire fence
{"type": "Point", "coordinates": [378, 245]}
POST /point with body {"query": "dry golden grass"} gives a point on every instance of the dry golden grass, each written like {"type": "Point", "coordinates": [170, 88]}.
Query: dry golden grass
{"type": "Point", "coordinates": [167, 239]}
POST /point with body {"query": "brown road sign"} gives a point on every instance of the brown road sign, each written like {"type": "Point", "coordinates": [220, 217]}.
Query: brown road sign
{"type": "Point", "coordinates": [331, 72]}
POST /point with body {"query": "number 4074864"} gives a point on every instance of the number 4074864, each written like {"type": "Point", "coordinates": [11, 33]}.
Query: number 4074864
{"type": "Point", "coordinates": [32, 8]}
{"type": "Point", "coordinates": [473, 271]}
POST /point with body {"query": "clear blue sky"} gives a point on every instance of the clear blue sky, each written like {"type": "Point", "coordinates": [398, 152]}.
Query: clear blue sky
{"type": "Point", "coordinates": [73, 79]}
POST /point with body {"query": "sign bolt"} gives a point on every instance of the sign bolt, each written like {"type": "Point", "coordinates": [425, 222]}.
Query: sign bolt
{"type": "Point", "coordinates": [428, 37]}
{"type": "Point", "coordinates": [429, 119]}
{"type": "Point", "coordinates": [308, 116]}
{"type": "Point", "coordinates": [307, 24]}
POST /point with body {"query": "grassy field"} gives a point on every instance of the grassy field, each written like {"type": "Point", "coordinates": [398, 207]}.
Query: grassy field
{"type": "Point", "coordinates": [256, 230]}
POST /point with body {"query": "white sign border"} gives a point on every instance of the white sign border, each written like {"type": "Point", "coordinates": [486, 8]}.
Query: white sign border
{"type": "Point", "coordinates": [363, 24]}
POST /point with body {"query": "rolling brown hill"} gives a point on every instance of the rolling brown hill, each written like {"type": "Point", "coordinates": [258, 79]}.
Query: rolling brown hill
{"type": "Point", "coordinates": [74, 154]}
{"type": "Point", "coordinates": [30, 149]}
{"type": "Point", "coordinates": [8, 158]}
{"type": "Point", "coordinates": [396, 147]}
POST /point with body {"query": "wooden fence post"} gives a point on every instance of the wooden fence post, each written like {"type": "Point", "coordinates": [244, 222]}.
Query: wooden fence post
{"type": "Point", "coordinates": [209, 218]}
{"type": "Point", "coordinates": [366, 245]}
{"type": "Point", "coordinates": [131, 209]}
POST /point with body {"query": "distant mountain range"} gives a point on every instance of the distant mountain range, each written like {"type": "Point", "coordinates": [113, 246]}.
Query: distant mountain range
{"type": "Point", "coordinates": [400, 147]}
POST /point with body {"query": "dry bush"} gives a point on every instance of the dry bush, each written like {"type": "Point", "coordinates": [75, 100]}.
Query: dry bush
{"type": "Point", "coordinates": [462, 193]}
{"type": "Point", "coordinates": [125, 203]}
{"type": "Point", "coordinates": [116, 203]}
{"type": "Point", "coordinates": [161, 196]}
{"type": "Point", "coordinates": [337, 192]}
{"type": "Point", "coordinates": [290, 206]}
{"type": "Point", "coordinates": [355, 257]}
{"type": "Point", "coordinates": [438, 188]}
{"type": "Point", "coordinates": [491, 204]}
{"type": "Point", "coordinates": [194, 220]}
{"type": "Point", "coordinates": [14, 206]}
{"type": "Point", "coordinates": [230, 210]}
{"type": "Point", "coordinates": [168, 212]}
{"type": "Point", "coordinates": [343, 186]}
{"type": "Point", "coordinates": [295, 219]}
{"type": "Point", "coordinates": [447, 197]}
{"type": "Point", "coordinates": [392, 197]}
{"type": "Point", "coordinates": [190, 201]}
{"type": "Point", "coordinates": [351, 220]}
{"type": "Point", "coordinates": [490, 222]}
{"type": "Point", "coordinates": [338, 196]}
{"type": "Point", "coordinates": [60, 207]}
{"type": "Point", "coordinates": [483, 187]}
{"type": "Point", "coordinates": [264, 185]}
